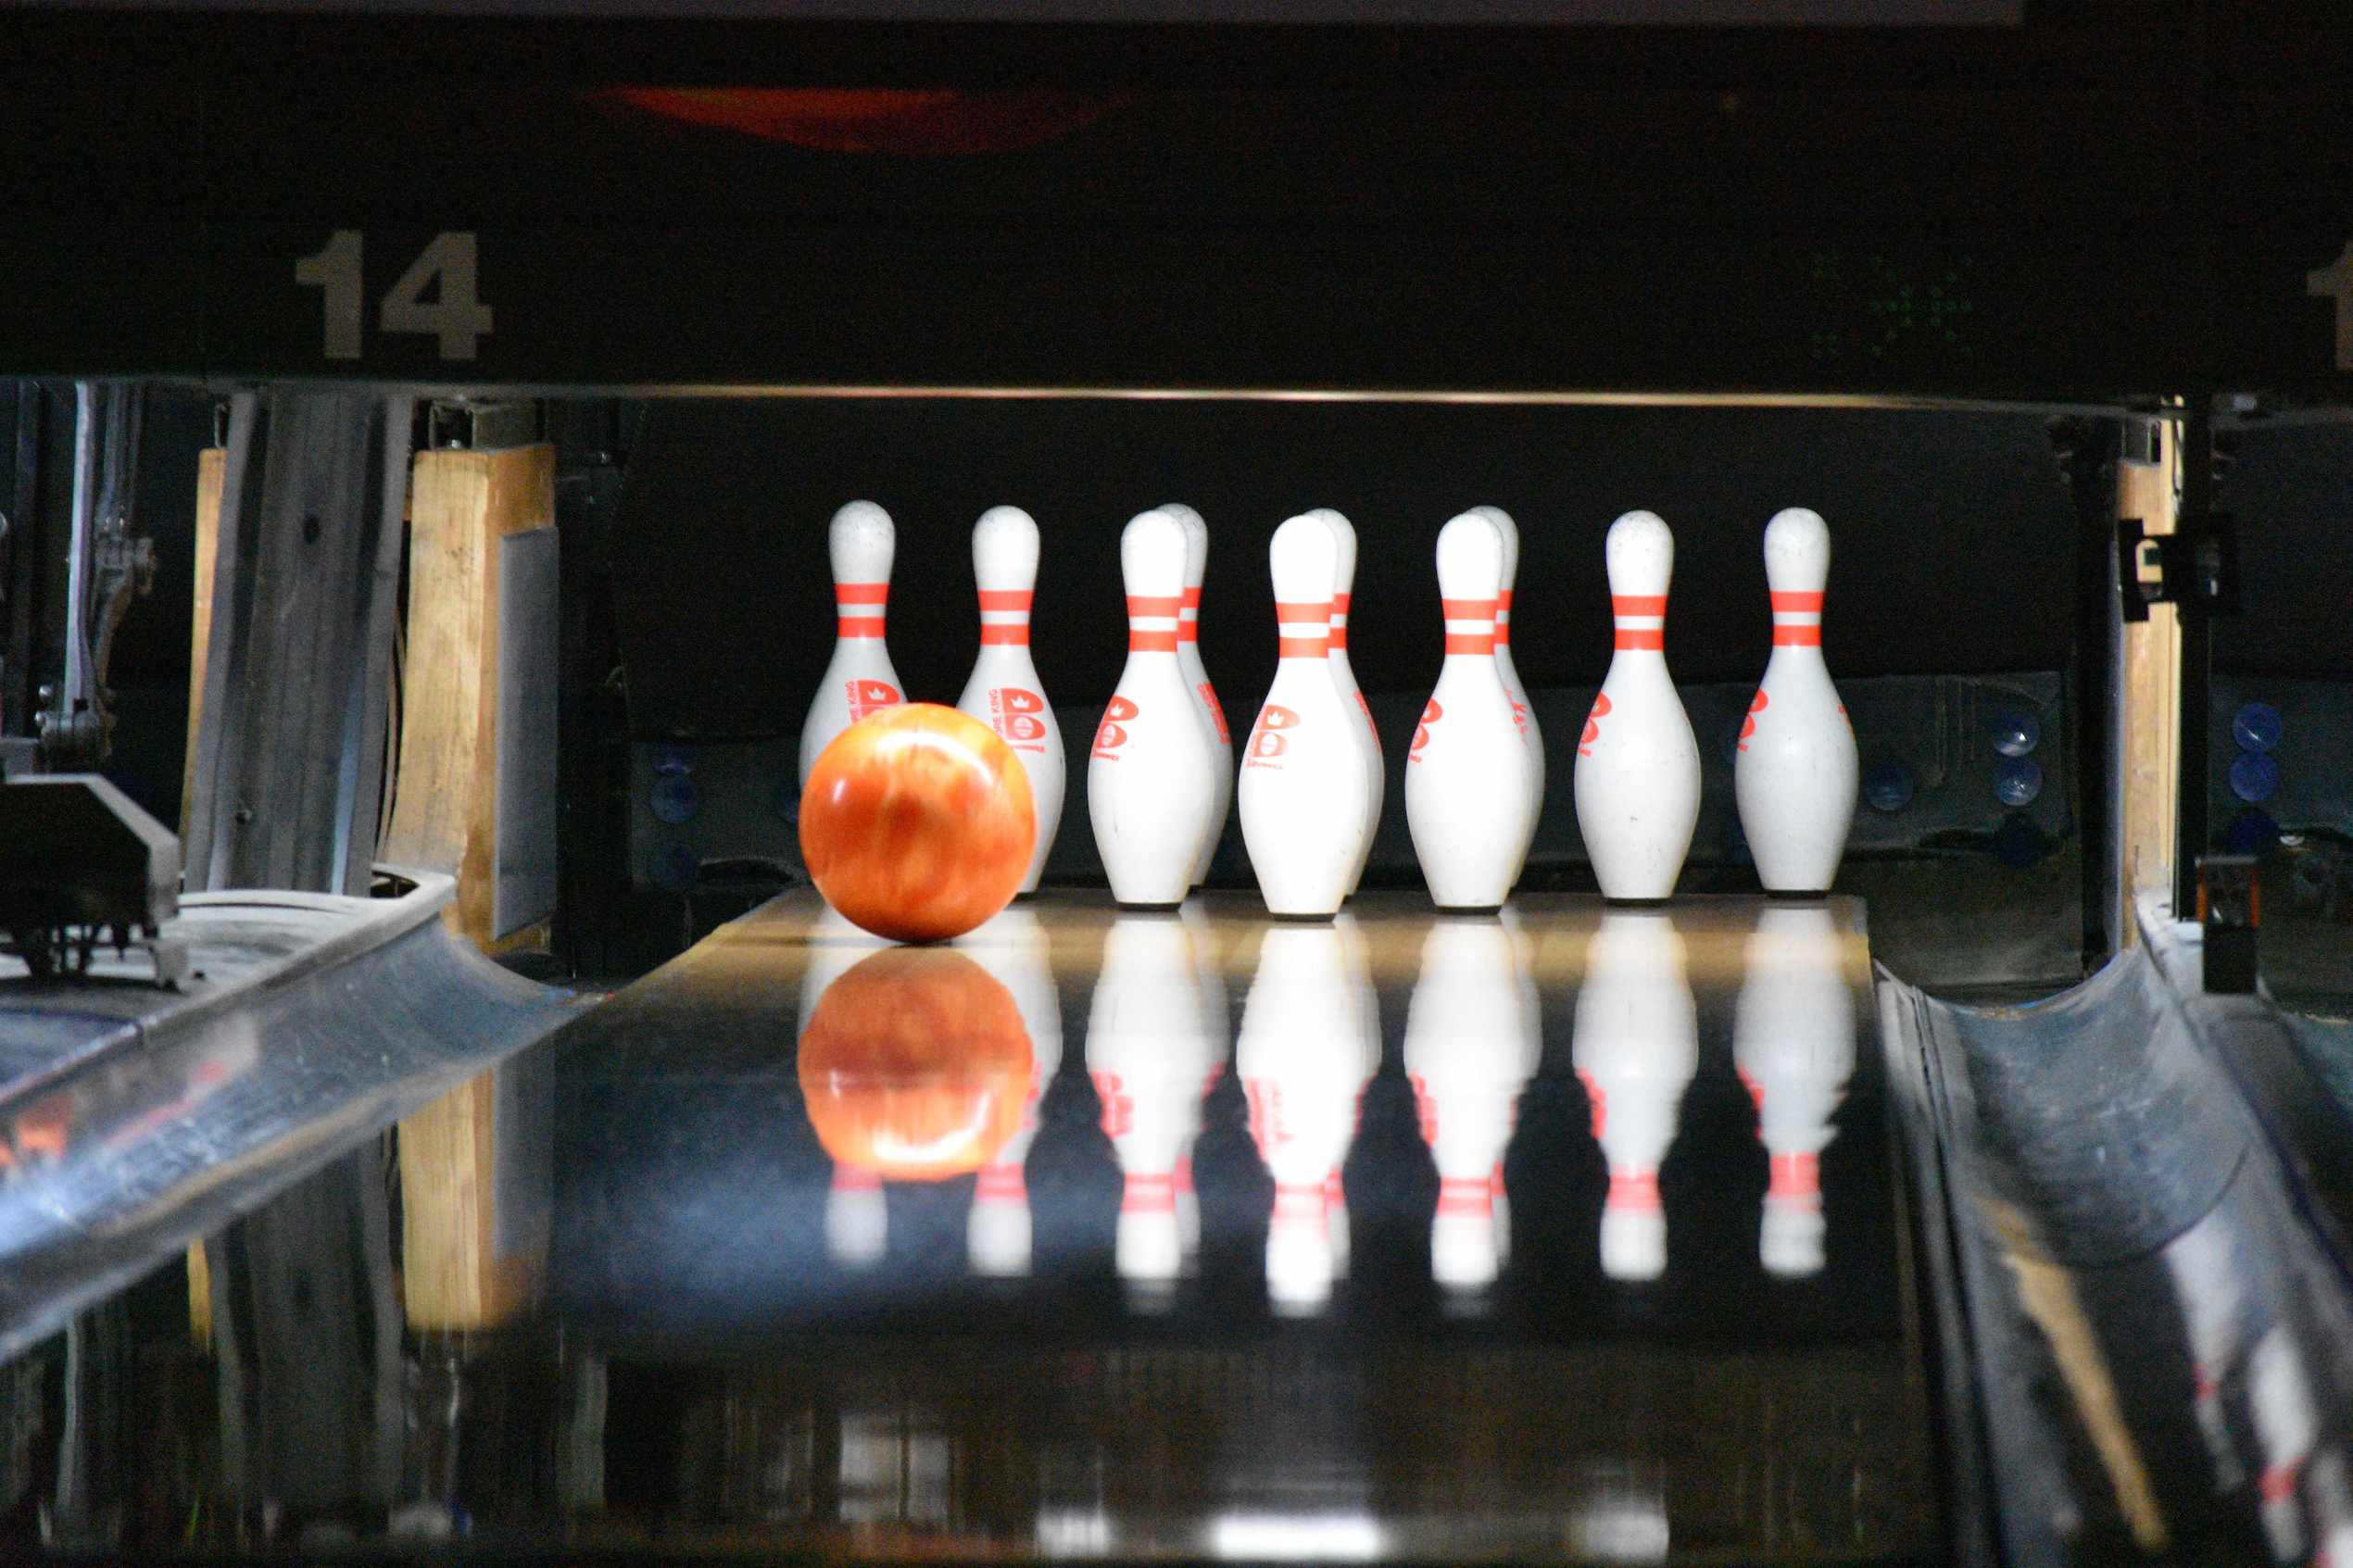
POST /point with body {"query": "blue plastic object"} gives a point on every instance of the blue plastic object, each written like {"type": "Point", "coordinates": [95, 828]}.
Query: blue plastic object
{"type": "Point", "coordinates": [2015, 732]}
{"type": "Point", "coordinates": [2250, 833]}
{"type": "Point", "coordinates": [2255, 777]}
{"type": "Point", "coordinates": [1889, 787]}
{"type": "Point", "coordinates": [673, 868]}
{"type": "Point", "coordinates": [674, 799]}
{"type": "Point", "coordinates": [2256, 726]}
{"type": "Point", "coordinates": [2017, 781]}
{"type": "Point", "coordinates": [671, 759]}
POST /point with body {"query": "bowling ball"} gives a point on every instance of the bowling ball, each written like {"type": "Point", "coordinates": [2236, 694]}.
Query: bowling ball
{"type": "Point", "coordinates": [915, 1064]}
{"type": "Point", "coordinates": [916, 822]}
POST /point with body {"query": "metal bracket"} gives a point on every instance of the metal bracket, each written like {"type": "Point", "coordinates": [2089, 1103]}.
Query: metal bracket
{"type": "Point", "coordinates": [2195, 567]}
{"type": "Point", "coordinates": [474, 426]}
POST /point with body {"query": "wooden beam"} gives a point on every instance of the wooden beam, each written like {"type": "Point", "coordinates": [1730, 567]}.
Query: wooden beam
{"type": "Point", "coordinates": [211, 463]}
{"type": "Point", "coordinates": [474, 1165]}
{"type": "Point", "coordinates": [2148, 698]}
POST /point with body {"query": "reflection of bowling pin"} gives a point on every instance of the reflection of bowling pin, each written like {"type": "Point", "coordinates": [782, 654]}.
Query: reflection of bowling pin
{"type": "Point", "coordinates": [1013, 948]}
{"type": "Point", "coordinates": [1365, 1001]}
{"type": "Point", "coordinates": [1210, 963]}
{"type": "Point", "coordinates": [1636, 1048]}
{"type": "Point", "coordinates": [1196, 677]}
{"type": "Point", "coordinates": [1305, 808]}
{"type": "Point", "coordinates": [1470, 1044]}
{"type": "Point", "coordinates": [1004, 692]}
{"type": "Point", "coordinates": [2210, 1281]}
{"type": "Point", "coordinates": [856, 1218]}
{"type": "Point", "coordinates": [859, 679]}
{"type": "Point", "coordinates": [1637, 763]}
{"type": "Point", "coordinates": [2328, 1482]}
{"type": "Point", "coordinates": [1151, 779]}
{"type": "Point", "coordinates": [1300, 1056]}
{"type": "Point", "coordinates": [1795, 772]}
{"type": "Point", "coordinates": [2287, 1424]}
{"type": "Point", "coordinates": [1468, 777]}
{"type": "Point", "coordinates": [1523, 711]}
{"type": "Point", "coordinates": [1793, 1047]}
{"type": "Point", "coordinates": [1148, 1048]}
{"type": "Point", "coordinates": [1351, 695]}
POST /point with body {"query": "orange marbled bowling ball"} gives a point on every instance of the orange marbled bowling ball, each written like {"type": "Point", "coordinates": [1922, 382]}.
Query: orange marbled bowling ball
{"type": "Point", "coordinates": [916, 822]}
{"type": "Point", "coordinates": [915, 1065]}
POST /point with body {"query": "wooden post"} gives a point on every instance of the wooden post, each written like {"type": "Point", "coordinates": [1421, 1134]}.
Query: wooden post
{"type": "Point", "coordinates": [2148, 698]}
{"type": "Point", "coordinates": [473, 797]}
{"type": "Point", "coordinates": [211, 463]}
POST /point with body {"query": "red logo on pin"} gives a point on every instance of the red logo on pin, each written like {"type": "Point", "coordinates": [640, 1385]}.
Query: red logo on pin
{"type": "Point", "coordinates": [1431, 714]}
{"type": "Point", "coordinates": [1113, 735]}
{"type": "Point", "coordinates": [871, 696]}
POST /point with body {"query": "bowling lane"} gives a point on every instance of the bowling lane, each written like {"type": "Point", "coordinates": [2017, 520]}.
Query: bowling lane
{"type": "Point", "coordinates": [1575, 1234]}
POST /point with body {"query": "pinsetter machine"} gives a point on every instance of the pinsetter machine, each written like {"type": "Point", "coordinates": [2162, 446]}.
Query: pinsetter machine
{"type": "Point", "coordinates": [470, 1130]}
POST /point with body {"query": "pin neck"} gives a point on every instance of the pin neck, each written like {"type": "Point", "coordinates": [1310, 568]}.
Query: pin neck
{"type": "Point", "coordinates": [1641, 622]}
{"type": "Point", "coordinates": [1304, 629]}
{"type": "Point", "coordinates": [1151, 623]}
{"type": "Point", "coordinates": [1471, 627]}
{"type": "Point", "coordinates": [1503, 619]}
{"type": "Point", "coordinates": [1797, 619]}
{"type": "Point", "coordinates": [859, 609]}
{"type": "Point", "coordinates": [1340, 624]}
{"type": "Point", "coordinates": [1189, 616]}
{"type": "Point", "coordinates": [1005, 617]}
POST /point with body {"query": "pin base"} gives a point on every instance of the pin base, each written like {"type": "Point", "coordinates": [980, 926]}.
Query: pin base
{"type": "Point", "coordinates": [1150, 908]}
{"type": "Point", "coordinates": [1798, 894]}
{"type": "Point", "coordinates": [1470, 908]}
{"type": "Point", "coordinates": [1303, 919]}
{"type": "Point", "coordinates": [1637, 903]}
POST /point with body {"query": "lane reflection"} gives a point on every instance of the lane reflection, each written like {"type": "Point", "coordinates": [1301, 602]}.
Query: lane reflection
{"type": "Point", "coordinates": [1307, 1046]}
{"type": "Point", "coordinates": [1013, 948]}
{"type": "Point", "coordinates": [1793, 1047]}
{"type": "Point", "coordinates": [1636, 1049]}
{"type": "Point", "coordinates": [1472, 1038]}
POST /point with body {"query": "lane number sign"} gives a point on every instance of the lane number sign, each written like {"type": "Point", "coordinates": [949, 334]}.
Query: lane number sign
{"type": "Point", "coordinates": [446, 271]}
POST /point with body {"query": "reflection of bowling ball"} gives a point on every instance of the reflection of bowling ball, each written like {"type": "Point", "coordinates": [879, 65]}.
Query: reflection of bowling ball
{"type": "Point", "coordinates": [916, 822]}
{"type": "Point", "coordinates": [915, 1064]}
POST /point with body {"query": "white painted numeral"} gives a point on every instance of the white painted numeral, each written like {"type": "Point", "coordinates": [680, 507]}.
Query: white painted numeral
{"type": "Point", "coordinates": [454, 316]}
{"type": "Point", "coordinates": [2335, 283]}
{"type": "Point", "coordinates": [448, 268]}
{"type": "Point", "coordinates": [336, 271]}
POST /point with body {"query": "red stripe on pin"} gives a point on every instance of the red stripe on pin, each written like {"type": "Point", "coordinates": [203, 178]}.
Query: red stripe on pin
{"type": "Point", "coordinates": [1797, 636]}
{"type": "Point", "coordinates": [1470, 642]}
{"type": "Point", "coordinates": [1303, 647]}
{"type": "Point", "coordinates": [1638, 604]}
{"type": "Point", "coordinates": [862, 592]}
{"type": "Point", "coordinates": [859, 626]}
{"type": "Point", "coordinates": [1154, 604]}
{"type": "Point", "coordinates": [1340, 637]}
{"type": "Point", "coordinates": [1468, 609]}
{"type": "Point", "coordinates": [1340, 603]}
{"type": "Point", "coordinates": [1151, 642]}
{"type": "Point", "coordinates": [1793, 604]}
{"type": "Point", "coordinates": [1189, 631]}
{"type": "Point", "coordinates": [1192, 598]}
{"type": "Point", "coordinates": [1005, 598]}
{"type": "Point", "coordinates": [1017, 636]}
{"type": "Point", "coordinates": [1503, 632]}
{"type": "Point", "coordinates": [1304, 609]}
{"type": "Point", "coordinates": [1650, 637]}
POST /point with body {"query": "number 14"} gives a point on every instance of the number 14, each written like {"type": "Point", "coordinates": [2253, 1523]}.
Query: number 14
{"type": "Point", "coordinates": [454, 316]}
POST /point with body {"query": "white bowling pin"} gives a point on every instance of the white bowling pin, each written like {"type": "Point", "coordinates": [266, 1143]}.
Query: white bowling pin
{"type": "Point", "coordinates": [1470, 1045]}
{"type": "Point", "coordinates": [857, 1217]}
{"type": "Point", "coordinates": [1013, 946]}
{"type": "Point", "coordinates": [2210, 1281]}
{"type": "Point", "coordinates": [1152, 777]}
{"type": "Point", "coordinates": [1637, 763]}
{"type": "Point", "coordinates": [1149, 1048]}
{"type": "Point", "coordinates": [1523, 711]}
{"type": "Point", "coordinates": [1004, 692]}
{"type": "Point", "coordinates": [1795, 772]}
{"type": "Point", "coordinates": [1344, 675]}
{"type": "Point", "coordinates": [2287, 1424]}
{"type": "Point", "coordinates": [1301, 1057]}
{"type": "Point", "coordinates": [1793, 1048]}
{"type": "Point", "coordinates": [1468, 776]}
{"type": "Point", "coordinates": [859, 679]}
{"type": "Point", "coordinates": [1636, 1048]}
{"type": "Point", "coordinates": [1196, 677]}
{"type": "Point", "coordinates": [1306, 809]}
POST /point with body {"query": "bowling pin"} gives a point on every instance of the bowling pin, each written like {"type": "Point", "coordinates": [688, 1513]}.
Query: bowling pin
{"type": "Point", "coordinates": [1301, 1057]}
{"type": "Point", "coordinates": [859, 679]}
{"type": "Point", "coordinates": [1149, 1048]}
{"type": "Point", "coordinates": [1470, 1045]}
{"type": "Point", "coordinates": [1793, 773]}
{"type": "Point", "coordinates": [857, 1217]}
{"type": "Point", "coordinates": [1637, 763]}
{"type": "Point", "coordinates": [1469, 775]}
{"type": "Point", "coordinates": [1793, 1048]}
{"type": "Point", "coordinates": [2287, 1424]}
{"type": "Point", "coordinates": [1004, 692]}
{"type": "Point", "coordinates": [1196, 677]}
{"type": "Point", "coordinates": [1523, 712]}
{"type": "Point", "coordinates": [1636, 1049]}
{"type": "Point", "coordinates": [1013, 948]}
{"type": "Point", "coordinates": [1152, 778]}
{"type": "Point", "coordinates": [2211, 1281]}
{"type": "Point", "coordinates": [1344, 675]}
{"type": "Point", "coordinates": [1306, 805]}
